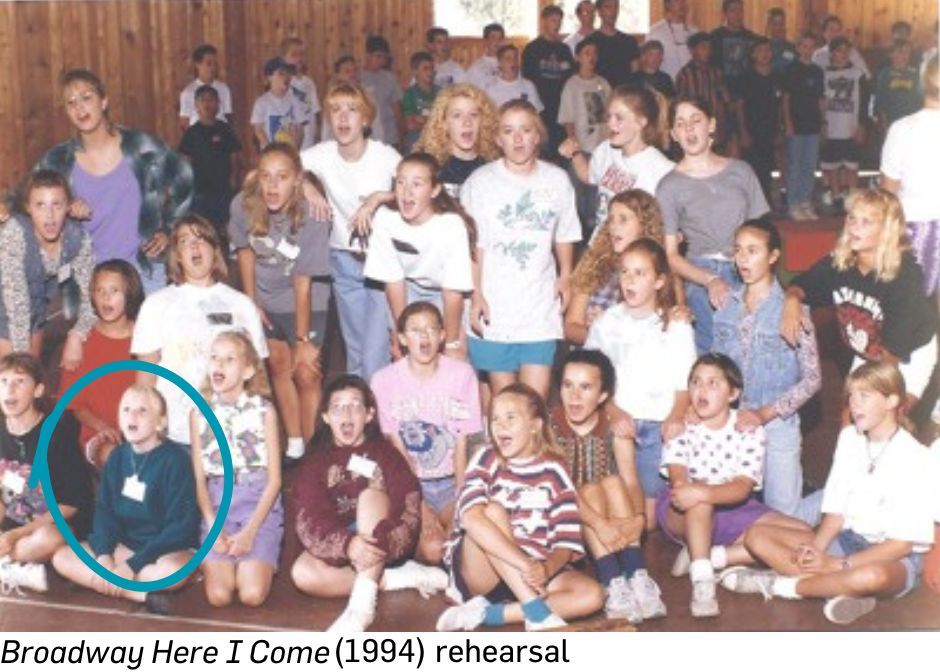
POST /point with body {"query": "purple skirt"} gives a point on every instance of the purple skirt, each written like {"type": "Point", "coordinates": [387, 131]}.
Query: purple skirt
{"type": "Point", "coordinates": [245, 495]}
{"type": "Point", "coordinates": [728, 523]}
{"type": "Point", "coordinates": [925, 244]}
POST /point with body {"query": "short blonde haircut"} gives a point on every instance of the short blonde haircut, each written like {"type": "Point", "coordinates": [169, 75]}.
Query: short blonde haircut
{"type": "Point", "coordinates": [881, 377]}
{"type": "Point", "coordinates": [519, 105]}
{"type": "Point", "coordinates": [893, 242]}
{"type": "Point", "coordinates": [434, 138]}
{"type": "Point", "coordinates": [360, 97]}
{"type": "Point", "coordinates": [204, 230]}
{"type": "Point", "coordinates": [154, 398]}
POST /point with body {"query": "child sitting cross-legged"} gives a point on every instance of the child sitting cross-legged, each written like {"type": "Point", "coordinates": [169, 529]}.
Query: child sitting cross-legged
{"type": "Point", "coordinates": [610, 498]}
{"type": "Point", "coordinates": [877, 513]}
{"type": "Point", "coordinates": [713, 468]}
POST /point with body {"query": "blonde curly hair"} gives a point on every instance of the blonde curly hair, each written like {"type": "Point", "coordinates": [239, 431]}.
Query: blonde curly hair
{"type": "Point", "coordinates": [434, 139]}
{"type": "Point", "coordinates": [893, 242]}
{"type": "Point", "coordinates": [599, 262]}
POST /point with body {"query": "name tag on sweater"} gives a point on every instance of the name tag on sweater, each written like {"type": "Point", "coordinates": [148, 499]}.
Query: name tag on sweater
{"type": "Point", "coordinates": [362, 466]}
{"type": "Point", "coordinates": [134, 488]}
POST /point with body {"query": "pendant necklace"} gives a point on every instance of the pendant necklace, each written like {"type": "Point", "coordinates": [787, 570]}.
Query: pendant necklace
{"type": "Point", "coordinates": [873, 461]}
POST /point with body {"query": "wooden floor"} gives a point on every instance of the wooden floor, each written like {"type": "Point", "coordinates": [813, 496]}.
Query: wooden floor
{"type": "Point", "coordinates": [65, 608]}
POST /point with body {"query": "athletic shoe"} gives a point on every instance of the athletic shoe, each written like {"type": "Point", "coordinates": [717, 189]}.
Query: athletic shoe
{"type": "Point", "coordinates": [843, 609]}
{"type": "Point", "coordinates": [648, 595]}
{"type": "Point", "coordinates": [466, 616]}
{"type": "Point", "coordinates": [681, 565]}
{"type": "Point", "coordinates": [798, 213]}
{"type": "Point", "coordinates": [621, 602]}
{"type": "Point", "coordinates": [550, 622]}
{"type": "Point", "coordinates": [828, 199]}
{"type": "Point", "coordinates": [748, 581]}
{"type": "Point", "coordinates": [360, 610]}
{"type": "Point", "coordinates": [14, 575]}
{"type": "Point", "coordinates": [809, 212]}
{"type": "Point", "coordinates": [704, 604]}
{"type": "Point", "coordinates": [158, 603]}
{"type": "Point", "coordinates": [426, 580]}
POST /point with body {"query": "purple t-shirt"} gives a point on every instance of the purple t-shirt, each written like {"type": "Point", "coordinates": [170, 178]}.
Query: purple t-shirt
{"type": "Point", "coordinates": [115, 202]}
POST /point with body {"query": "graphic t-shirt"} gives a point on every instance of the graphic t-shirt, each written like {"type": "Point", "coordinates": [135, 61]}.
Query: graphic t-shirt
{"type": "Point", "coordinates": [548, 65]}
{"type": "Point", "coordinates": [519, 219]}
{"type": "Point", "coordinates": [874, 316]}
{"type": "Point", "coordinates": [731, 51]}
{"type": "Point", "coordinates": [584, 104]}
{"type": "Point", "coordinates": [455, 172]}
{"type": "Point", "coordinates": [278, 115]}
{"type": "Point", "coordinates": [429, 415]}
{"type": "Point", "coordinates": [843, 101]}
{"type": "Point", "coordinates": [244, 425]}
{"type": "Point", "coordinates": [612, 171]}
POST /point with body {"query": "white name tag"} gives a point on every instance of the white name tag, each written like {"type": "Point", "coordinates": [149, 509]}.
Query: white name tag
{"type": "Point", "coordinates": [14, 482]}
{"type": "Point", "coordinates": [459, 410]}
{"type": "Point", "coordinates": [288, 249]}
{"type": "Point", "coordinates": [65, 272]}
{"type": "Point", "coordinates": [534, 499]}
{"type": "Point", "coordinates": [362, 466]}
{"type": "Point", "coordinates": [134, 488]}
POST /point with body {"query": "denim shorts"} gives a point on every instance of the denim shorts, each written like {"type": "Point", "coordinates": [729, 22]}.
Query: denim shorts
{"type": "Point", "coordinates": [284, 327]}
{"type": "Point", "coordinates": [499, 357]}
{"type": "Point", "coordinates": [649, 451]}
{"type": "Point", "coordinates": [848, 542]}
{"type": "Point", "coordinates": [438, 492]}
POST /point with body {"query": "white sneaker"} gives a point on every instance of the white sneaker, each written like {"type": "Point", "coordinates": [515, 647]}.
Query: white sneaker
{"type": "Point", "coordinates": [466, 616]}
{"type": "Point", "coordinates": [681, 565]}
{"type": "Point", "coordinates": [843, 609]}
{"type": "Point", "coordinates": [360, 610]}
{"type": "Point", "coordinates": [550, 622]}
{"type": "Point", "coordinates": [648, 595]}
{"type": "Point", "coordinates": [621, 602]}
{"type": "Point", "coordinates": [828, 199]}
{"type": "Point", "coordinates": [426, 580]}
{"type": "Point", "coordinates": [748, 581]}
{"type": "Point", "coordinates": [15, 575]}
{"type": "Point", "coordinates": [809, 212]}
{"type": "Point", "coordinates": [704, 603]}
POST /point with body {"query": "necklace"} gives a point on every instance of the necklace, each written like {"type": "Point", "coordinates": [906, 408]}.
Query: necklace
{"type": "Point", "coordinates": [873, 461]}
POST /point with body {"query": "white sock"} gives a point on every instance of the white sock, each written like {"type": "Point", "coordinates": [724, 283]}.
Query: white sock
{"type": "Point", "coordinates": [701, 570]}
{"type": "Point", "coordinates": [295, 447]}
{"type": "Point", "coordinates": [719, 557]}
{"type": "Point", "coordinates": [785, 587]}
{"type": "Point", "coordinates": [398, 578]}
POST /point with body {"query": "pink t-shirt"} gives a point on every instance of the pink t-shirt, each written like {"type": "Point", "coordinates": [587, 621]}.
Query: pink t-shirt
{"type": "Point", "coordinates": [429, 415]}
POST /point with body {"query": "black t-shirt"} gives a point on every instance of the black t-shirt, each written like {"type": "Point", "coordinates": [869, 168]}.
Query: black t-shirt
{"type": "Point", "coordinates": [456, 171]}
{"type": "Point", "coordinates": [68, 471]}
{"type": "Point", "coordinates": [615, 56]}
{"type": "Point", "coordinates": [658, 80]}
{"type": "Point", "coordinates": [209, 149]}
{"type": "Point", "coordinates": [804, 84]}
{"type": "Point", "coordinates": [548, 64]}
{"type": "Point", "coordinates": [731, 52]}
{"type": "Point", "coordinates": [761, 97]}
{"type": "Point", "coordinates": [874, 316]}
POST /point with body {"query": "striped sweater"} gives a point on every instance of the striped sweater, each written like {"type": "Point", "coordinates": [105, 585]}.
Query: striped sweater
{"type": "Point", "coordinates": [538, 495]}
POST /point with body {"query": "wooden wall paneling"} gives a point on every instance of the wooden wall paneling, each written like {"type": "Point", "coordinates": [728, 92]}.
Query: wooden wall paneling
{"type": "Point", "coordinates": [13, 160]}
{"type": "Point", "coordinates": [135, 69]}
{"type": "Point", "coordinates": [33, 41]}
{"type": "Point", "coordinates": [235, 66]}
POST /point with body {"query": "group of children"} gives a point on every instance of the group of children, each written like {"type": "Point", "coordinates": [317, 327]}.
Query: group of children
{"type": "Point", "coordinates": [457, 273]}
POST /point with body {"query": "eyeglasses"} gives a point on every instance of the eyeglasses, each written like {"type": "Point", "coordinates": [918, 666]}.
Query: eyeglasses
{"type": "Point", "coordinates": [349, 408]}
{"type": "Point", "coordinates": [422, 331]}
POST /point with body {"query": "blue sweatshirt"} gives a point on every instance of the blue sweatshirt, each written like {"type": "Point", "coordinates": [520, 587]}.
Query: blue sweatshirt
{"type": "Point", "coordinates": [166, 520]}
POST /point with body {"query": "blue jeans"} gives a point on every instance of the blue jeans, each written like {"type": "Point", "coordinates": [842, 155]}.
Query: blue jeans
{"type": "Point", "coordinates": [783, 473]}
{"type": "Point", "coordinates": [802, 158]}
{"type": "Point", "coordinates": [696, 297]}
{"type": "Point", "coordinates": [649, 453]}
{"type": "Point", "coordinates": [153, 279]}
{"type": "Point", "coordinates": [363, 316]}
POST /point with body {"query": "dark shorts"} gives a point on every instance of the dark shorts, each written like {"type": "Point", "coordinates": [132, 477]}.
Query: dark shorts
{"type": "Point", "coordinates": [499, 594]}
{"type": "Point", "coordinates": [284, 327]}
{"type": "Point", "coordinates": [728, 524]}
{"type": "Point", "coordinates": [835, 153]}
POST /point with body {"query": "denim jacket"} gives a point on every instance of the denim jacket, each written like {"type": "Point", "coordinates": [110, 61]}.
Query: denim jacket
{"type": "Point", "coordinates": [165, 179]}
{"type": "Point", "coordinates": [770, 367]}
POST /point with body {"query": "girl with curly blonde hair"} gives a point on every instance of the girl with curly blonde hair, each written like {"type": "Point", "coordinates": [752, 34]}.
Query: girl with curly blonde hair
{"type": "Point", "coordinates": [595, 283]}
{"type": "Point", "coordinates": [460, 133]}
{"type": "Point", "coordinates": [876, 287]}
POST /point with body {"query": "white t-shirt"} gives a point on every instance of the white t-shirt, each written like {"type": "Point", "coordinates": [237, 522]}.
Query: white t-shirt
{"type": "Point", "coordinates": [502, 92]}
{"type": "Point", "coordinates": [447, 73]}
{"type": "Point", "coordinates": [843, 99]}
{"type": "Point", "coordinates": [278, 113]}
{"type": "Point", "coordinates": [386, 94]}
{"type": "Point", "coordinates": [188, 100]}
{"type": "Point", "coordinates": [584, 104]}
{"type": "Point", "coordinates": [891, 501]}
{"type": "Point", "coordinates": [180, 322]}
{"type": "Point", "coordinates": [911, 154]}
{"type": "Point", "coordinates": [519, 219]}
{"type": "Point", "coordinates": [652, 364]}
{"type": "Point", "coordinates": [433, 255]}
{"type": "Point", "coordinates": [612, 171]}
{"type": "Point", "coordinates": [675, 41]}
{"type": "Point", "coordinates": [718, 456]}
{"type": "Point", "coordinates": [483, 72]}
{"type": "Point", "coordinates": [305, 91]}
{"type": "Point", "coordinates": [349, 183]}
{"type": "Point", "coordinates": [821, 58]}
